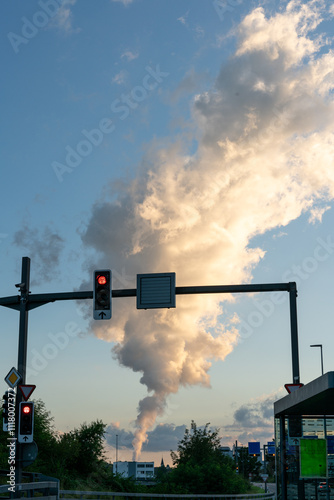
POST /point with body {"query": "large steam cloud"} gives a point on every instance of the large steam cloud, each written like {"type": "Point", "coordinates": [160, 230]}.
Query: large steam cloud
{"type": "Point", "coordinates": [253, 421]}
{"type": "Point", "coordinates": [265, 155]}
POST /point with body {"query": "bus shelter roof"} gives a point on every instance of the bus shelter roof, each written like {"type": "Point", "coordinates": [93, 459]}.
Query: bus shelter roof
{"type": "Point", "coordinates": [313, 399]}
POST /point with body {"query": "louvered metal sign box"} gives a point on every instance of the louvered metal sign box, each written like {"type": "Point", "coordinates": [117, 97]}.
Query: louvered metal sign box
{"type": "Point", "coordinates": [155, 290]}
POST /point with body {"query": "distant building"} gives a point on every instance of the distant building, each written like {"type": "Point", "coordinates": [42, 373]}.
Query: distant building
{"type": "Point", "coordinates": [164, 469]}
{"type": "Point", "coordinates": [136, 470]}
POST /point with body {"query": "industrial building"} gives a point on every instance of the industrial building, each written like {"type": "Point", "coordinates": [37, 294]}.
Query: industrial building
{"type": "Point", "coordinates": [136, 470]}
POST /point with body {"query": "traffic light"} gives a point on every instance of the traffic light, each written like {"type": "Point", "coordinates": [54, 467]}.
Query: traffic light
{"type": "Point", "coordinates": [26, 422]}
{"type": "Point", "coordinates": [295, 427]}
{"type": "Point", "coordinates": [5, 412]}
{"type": "Point", "coordinates": [102, 294]}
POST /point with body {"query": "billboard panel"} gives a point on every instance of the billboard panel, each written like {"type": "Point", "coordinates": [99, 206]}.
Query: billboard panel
{"type": "Point", "coordinates": [313, 457]}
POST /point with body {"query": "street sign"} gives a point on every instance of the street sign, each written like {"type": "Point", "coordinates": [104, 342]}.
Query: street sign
{"type": "Point", "coordinates": [13, 378]}
{"type": "Point", "coordinates": [271, 450]}
{"type": "Point", "coordinates": [27, 390]}
{"type": "Point", "coordinates": [330, 445]}
{"type": "Point", "coordinates": [292, 387]}
{"type": "Point", "coordinates": [254, 448]}
{"type": "Point", "coordinates": [155, 290]}
{"type": "Point", "coordinates": [264, 477]}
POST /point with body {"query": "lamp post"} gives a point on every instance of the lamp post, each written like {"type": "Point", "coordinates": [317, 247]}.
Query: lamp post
{"type": "Point", "coordinates": [116, 452]}
{"type": "Point", "coordinates": [322, 359]}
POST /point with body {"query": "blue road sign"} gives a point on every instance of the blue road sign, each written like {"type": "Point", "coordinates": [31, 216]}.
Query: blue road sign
{"type": "Point", "coordinates": [330, 445]}
{"type": "Point", "coordinates": [254, 448]}
{"type": "Point", "coordinates": [271, 450]}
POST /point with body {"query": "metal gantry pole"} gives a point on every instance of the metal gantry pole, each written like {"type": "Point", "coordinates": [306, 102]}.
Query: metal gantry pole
{"type": "Point", "coordinates": [22, 358]}
{"type": "Point", "coordinates": [294, 332]}
{"type": "Point", "coordinates": [282, 459]}
{"type": "Point", "coordinates": [322, 359]}
{"type": "Point", "coordinates": [116, 453]}
{"type": "Point", "coordinates": [265, 466]}
{"type": "Point", "coordinates": [26, 301]}
{"type": "Point", "coordinates": [23, 329]}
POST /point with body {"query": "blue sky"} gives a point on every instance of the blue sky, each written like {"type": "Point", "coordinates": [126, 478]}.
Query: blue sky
{"type": "Point", "coordinates": [168, 136]}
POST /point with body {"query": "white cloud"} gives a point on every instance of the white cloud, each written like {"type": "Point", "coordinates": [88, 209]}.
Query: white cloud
{"type": "Point", "coordinates": [46, 246]}
{"type": "Point", "coordinates": [281, 234]}
{"type": "Point", "coordinates": [253, 420]}
{"type": "Point", "coordinates": [63, 19]}
{"type": "Point", "coordinates": [191, 82]}
{"type": "Point", "coordinates": [316, 214]}
{"type": "Point", "coordinates": [199, 31]}
{"type": "Point", "coordinates": [129, 55]}
{"type": "Point", "coordinates": [164, 437]}
{"type": "Point", "coordinates": [183, 19]}
{"type": "Point", "coordinates": [283, 35]}
{"type": "Point", "coordinates": [119, 78]}
{"type": "Point", "coordinates": [124, 2]}
{"type": "Point", "coordinates": [265, 155]}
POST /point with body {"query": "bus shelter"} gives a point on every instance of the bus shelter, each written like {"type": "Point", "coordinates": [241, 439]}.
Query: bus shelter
{"type": "Point", "coordinates": [304, 439]}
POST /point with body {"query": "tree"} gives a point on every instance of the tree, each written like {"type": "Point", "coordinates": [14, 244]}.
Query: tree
{"type": "Point", "coordinates": [270, 466]}
{"type": "Point", "coordinates": [81, 451]}
{"type": "Point", "coordinates": [198, 445]}
{"type": "Point", "coordinates": [75, 457]}
{"type": "Point", "coordinates": [200, 467]}
{"type": "Point", "coordinates": [71, 457]}
{"type": "Point", "coordinates": [248, 464]}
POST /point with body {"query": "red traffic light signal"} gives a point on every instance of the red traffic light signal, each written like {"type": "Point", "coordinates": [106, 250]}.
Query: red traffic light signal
{"type": "Point", "coordinates": [102, 294]}
{"type": "Point", "coordinates": [101, 279]}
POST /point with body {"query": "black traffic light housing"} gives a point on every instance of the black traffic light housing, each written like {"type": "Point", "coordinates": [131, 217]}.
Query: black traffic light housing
{"type": "Point", "coordinates": [102, 294]}
{"type": "Point", "coordinates": [295, 427]}
{"type": "Point", "coordinates": [5, 411]}
{"type": "Point", "coordinates": [26, 422]}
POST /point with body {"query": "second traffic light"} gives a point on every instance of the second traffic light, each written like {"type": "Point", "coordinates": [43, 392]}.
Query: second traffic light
{"type": "Point", "coordinates": [102, 294]}
{"type": "Point", "coordinates": [26, 423]}
{"type": "Point", "coordinates": [5, 412]}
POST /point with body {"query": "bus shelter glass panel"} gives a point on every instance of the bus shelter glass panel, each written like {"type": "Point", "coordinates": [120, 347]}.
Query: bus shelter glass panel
{"type": "Point", "coordinates": [304, 458]}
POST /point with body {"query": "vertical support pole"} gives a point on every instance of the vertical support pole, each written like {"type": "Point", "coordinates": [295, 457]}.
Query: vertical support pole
{"type": "Point", "coordinates": [116, 453]}
{"type": "Point", "coordinates": [265, 466]}
{"type": "Point", "coordinates": [322, 360]}
{"type": "Point", "coordinates": [294, 331]}
{"type": "Point", "coordinates": [22, 358]}
{"type": "Point", "coordinates": [282, 462]}
{"type": "Point", "coordinates": [23, 332]}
